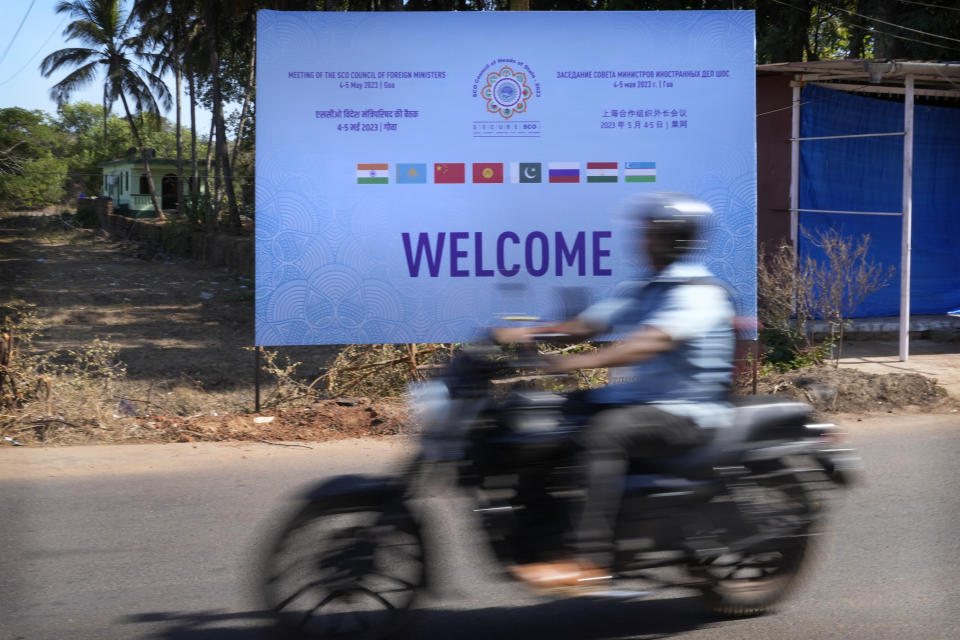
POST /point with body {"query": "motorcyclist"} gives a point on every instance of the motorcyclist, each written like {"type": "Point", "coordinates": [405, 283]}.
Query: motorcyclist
{"type": "Point", "coordinates": [677, 355]}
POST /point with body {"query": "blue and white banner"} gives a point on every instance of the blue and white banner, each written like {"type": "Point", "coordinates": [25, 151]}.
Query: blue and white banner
{"type": "Point", "coordinates": [422, 176]}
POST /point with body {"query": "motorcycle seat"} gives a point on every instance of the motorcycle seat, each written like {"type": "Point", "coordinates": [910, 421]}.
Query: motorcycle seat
{"type": "Point", "coordinates": [756, 418]}
{"type": "Point", "coordinates": [535, 400]}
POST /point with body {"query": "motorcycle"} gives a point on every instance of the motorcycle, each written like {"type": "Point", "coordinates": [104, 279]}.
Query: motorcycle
{"type": "Point", "coordinates": [737, 516]}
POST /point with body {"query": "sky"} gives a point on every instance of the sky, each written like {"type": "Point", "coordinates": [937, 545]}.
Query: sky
{"type": "Point", "coordinates": [29, 31]}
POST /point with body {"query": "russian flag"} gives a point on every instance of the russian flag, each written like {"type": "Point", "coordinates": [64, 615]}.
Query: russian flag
{"type": "Point", "coordinates": [564, 172]}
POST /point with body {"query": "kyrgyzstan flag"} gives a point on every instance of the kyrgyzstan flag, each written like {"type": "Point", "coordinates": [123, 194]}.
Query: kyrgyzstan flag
{"type": "Point", "coordinates": [487, 172]}
{"type": "Point", "coordinates": [449, 173]}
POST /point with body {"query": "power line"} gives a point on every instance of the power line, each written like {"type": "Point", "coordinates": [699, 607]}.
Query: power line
{"type": "Point", "coordinates": [874, 30]}
{"type": "Point", "coordinates": [863, 86]}
{"type": "Point", "coordinates": [892, 24]}
{"type": "Point", "coordinates": [17, 32]}
{"type": "Point", "coordinates": [933, 6]}
{"type": "Point", "coordinates": [20, 70]}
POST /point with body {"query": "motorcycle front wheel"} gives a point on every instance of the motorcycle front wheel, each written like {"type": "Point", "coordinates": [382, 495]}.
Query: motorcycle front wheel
{"type": "Point", "coordinates": [346, 571]}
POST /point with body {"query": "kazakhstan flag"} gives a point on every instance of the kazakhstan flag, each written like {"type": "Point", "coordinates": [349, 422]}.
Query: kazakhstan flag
{"type": "Point", "coordinates": [411, 173]}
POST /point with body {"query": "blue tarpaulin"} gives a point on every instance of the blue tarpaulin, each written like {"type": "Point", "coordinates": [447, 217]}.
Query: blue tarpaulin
{"type": "Point", "coordinates": [866, 174]}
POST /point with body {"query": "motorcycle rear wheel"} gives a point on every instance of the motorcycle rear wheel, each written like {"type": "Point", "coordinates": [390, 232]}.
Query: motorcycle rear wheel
{"type": "Point", "coordinates": [345, 571]}
{"type": "Point", "coordinates": [752, 583]}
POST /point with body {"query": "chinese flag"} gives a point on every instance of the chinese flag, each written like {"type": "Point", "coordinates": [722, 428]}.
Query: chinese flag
{"type": "Point", "coordinates": [448, 173]}
{"type": "Point", "coordinates": [487, 172]}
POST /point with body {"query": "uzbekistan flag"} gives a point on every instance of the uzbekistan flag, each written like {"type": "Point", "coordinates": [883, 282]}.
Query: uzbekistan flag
{"type": "Point", "coordinates": [487, 172]}
{"type": "Point", "coordinates": [449, 173]}
{"type": "Point", "coordinates": [640, 172]}
{"type": "Point", "coordinates": [372, 173]}
{"type": "Point", "coordinates": [564, 172]}
{"type": "Point", "coordinates": [601, 172]}
{"type": "Point", "coordinates": [412, 173]}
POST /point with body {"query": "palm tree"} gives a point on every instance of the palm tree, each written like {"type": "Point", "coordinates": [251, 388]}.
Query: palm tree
{"type": "Point", "coordinates": [163, 40]}
{"type": "Point", "coordinates": [103, 27]}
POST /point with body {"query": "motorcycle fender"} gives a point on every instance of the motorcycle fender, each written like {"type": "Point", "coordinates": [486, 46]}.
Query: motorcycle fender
{"type": "Point", "coordinates": [843, 466]}
{"type": "Point", "coordinates": [354, 488]}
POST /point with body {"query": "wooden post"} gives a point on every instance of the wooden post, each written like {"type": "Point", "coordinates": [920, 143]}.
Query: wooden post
{"type": "Point", "coordinates": [412, 360]}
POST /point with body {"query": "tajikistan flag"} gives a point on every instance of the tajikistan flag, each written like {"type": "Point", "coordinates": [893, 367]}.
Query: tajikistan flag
{"type": "Point", "coordinates": [640, 172]}
{"type": "Point", "coordinates": [601, 172]}
{"type": "Point", "coordinates": [372, 173]}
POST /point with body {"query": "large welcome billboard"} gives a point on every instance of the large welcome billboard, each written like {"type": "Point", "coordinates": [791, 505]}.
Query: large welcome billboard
{"type": "Point", "coordinates": [421, 176]}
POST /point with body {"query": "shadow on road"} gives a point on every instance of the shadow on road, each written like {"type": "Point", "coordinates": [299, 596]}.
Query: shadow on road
{"type": "Point", "coordinates": [557, 620]}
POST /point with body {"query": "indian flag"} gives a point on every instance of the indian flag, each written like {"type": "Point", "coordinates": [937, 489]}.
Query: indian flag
{"type": "Point", "coordinates": [372, 173]}
{"type": "Point", "coordinates": [601, 172]}
{"type": "Point", "coordinates": [640, 172]}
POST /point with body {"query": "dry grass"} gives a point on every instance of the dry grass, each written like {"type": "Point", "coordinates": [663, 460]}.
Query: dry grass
{"type": "Point", "coordinates": [180, 331]}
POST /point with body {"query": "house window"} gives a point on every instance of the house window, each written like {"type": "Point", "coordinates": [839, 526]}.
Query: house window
{"type": "Point", "coordinates": [144, 187]}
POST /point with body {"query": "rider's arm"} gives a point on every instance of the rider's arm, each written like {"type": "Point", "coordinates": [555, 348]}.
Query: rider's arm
{"type": "Point", "coordinates": [640, 345]}
{"type": "Point", "coordinates": [575, 328]}
{"type": "Point", "coordinates": [596, 319]}
{"type": "Point", "coordinates": [689, 311]}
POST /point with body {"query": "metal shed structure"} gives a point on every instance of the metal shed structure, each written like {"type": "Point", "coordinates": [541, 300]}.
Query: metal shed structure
{"type": "Point", "coordinates": [908, 82]}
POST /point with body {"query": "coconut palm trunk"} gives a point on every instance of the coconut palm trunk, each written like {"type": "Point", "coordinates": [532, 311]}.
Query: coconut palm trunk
{"type": "Point", "coordinates": [244, 109]}
{"type": "Point", "coordinates": [223, 157]}
{"type": "Point", "coordinates": [144, 156]}
{"type": "Point", "coordinates": [194, 161]}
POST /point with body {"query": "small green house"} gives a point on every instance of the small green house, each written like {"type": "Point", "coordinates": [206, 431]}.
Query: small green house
{"type": "Point", "coordinates": [125, 181]}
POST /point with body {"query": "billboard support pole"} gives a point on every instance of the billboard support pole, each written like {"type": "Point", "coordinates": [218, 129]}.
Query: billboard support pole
{"type": "Point", "coordinates": [906, 219]}
{"type": "Point", "coordinates": [256, 379]}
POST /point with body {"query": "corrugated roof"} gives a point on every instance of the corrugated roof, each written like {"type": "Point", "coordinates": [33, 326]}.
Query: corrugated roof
{"type": "Point", "coordinates": [931, 79]}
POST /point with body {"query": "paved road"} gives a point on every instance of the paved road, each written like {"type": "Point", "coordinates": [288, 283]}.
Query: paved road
{"type": "Point", "coordinates": [134, 542]}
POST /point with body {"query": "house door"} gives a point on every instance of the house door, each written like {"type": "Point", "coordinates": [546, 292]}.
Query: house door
{"type": "Point", "coordinates": [168, 192]}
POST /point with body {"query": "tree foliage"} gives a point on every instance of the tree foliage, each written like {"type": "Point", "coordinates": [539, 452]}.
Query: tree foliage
{"type": "Point", "coordinates": [31, 171]}
{"type": "Point", "coordinates": [52, 159]}
{"type": "Point", "coordinates": [211, 45]}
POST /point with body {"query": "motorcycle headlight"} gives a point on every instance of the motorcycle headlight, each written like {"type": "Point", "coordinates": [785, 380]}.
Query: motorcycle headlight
{"type": "Point", "coordinates": [429, 402]}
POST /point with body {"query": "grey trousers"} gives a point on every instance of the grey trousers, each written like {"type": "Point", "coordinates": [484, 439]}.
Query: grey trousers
{"type": "Point", "coordinates": [611, 439]}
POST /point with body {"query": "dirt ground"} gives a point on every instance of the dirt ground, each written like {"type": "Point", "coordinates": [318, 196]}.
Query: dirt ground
{"type": "Point", "coordinates": [937, 358]}
{"type": "Point", "coordinates": [184, 331]}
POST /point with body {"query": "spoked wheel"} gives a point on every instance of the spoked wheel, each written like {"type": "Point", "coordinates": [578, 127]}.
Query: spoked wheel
{"type": "Point", "coordinates": [345, 572]}
{"type": "Point", "coordinates": [752, 582]}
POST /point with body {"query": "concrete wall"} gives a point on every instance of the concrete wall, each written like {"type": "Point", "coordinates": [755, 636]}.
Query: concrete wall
{"type": "Point", "coordinates": [217, 249]}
